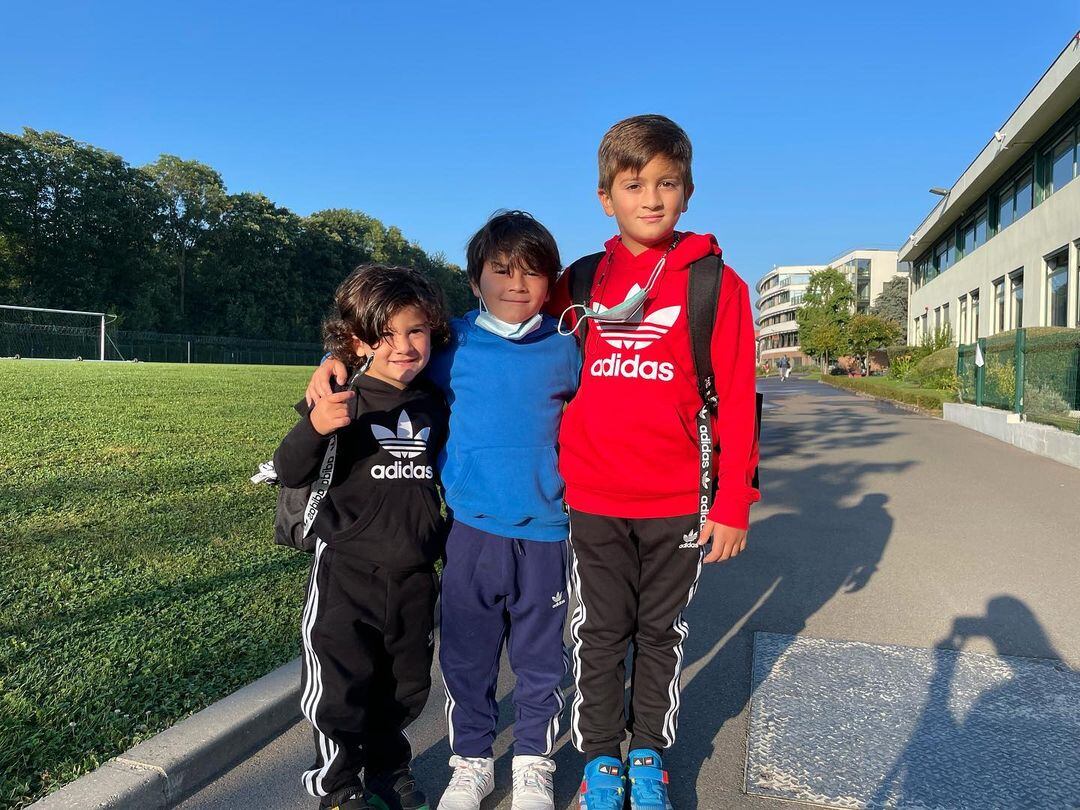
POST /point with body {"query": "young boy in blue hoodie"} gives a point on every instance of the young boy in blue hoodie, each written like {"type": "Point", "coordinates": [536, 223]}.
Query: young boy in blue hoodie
{"type": "Point", "coordinates": [507, 375]}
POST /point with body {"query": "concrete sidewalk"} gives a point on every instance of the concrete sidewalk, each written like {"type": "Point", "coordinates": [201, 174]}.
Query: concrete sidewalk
{"type": "Point", "coordinates": [877, 525]}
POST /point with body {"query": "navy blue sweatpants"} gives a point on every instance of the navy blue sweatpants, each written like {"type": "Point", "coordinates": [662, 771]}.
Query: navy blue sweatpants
{"type": "Point", "coordinates": [494, 590]}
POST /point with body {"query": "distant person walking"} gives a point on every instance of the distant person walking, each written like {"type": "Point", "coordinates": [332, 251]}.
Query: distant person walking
{"type": "Point", "coordinates": [784, 364]}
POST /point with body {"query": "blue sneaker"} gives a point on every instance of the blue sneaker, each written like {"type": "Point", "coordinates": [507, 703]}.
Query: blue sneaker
{"type": "Point", "coordinates": [648, 780]}
{"type": "Point", "coordinates": [602, 786]}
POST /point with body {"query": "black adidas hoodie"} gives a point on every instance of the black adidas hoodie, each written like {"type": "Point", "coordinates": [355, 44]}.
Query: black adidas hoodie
{"type": "Point", "coordinates": [383, 504]}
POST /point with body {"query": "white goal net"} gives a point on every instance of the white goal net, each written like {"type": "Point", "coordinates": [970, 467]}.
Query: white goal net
{"type": "Point", "coordinates": [52, 333]}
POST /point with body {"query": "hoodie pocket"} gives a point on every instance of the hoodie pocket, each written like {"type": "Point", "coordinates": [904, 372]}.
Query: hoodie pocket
{"type": "Point", "coordinates": [514, 485]}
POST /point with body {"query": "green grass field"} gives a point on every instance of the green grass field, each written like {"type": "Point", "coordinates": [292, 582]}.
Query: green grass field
{"type": "Point", "coordinates": [139, 580]}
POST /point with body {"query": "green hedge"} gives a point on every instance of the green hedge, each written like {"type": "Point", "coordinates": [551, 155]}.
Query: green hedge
{"type": "Point", "coordinates": [928, 398]}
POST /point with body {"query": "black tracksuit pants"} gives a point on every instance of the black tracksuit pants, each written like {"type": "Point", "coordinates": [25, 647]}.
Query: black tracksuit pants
{"type": "Point", "coordinates": [633, 579]}
{"type": "Point", "coordinates": [368, 643]}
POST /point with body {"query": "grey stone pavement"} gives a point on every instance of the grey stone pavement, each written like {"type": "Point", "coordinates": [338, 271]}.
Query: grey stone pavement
{"type": "Point", "coordinates": [877, 525]}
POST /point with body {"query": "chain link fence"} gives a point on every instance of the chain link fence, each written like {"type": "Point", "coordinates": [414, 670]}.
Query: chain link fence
{"type": "Point", "coordinates": [68, 341]}
{"type": "Point", "coordinates": [1034, 372]}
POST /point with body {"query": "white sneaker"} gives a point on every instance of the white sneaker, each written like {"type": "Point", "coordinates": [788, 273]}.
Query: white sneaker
{"type": "Point", "coordinates": [532, 783]}
{"type": "Point", "coordinates": [472, 781]}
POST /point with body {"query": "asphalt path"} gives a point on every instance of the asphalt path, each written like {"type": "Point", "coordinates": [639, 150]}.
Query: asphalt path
{"type": "Point", "coordinates": [876, 524]}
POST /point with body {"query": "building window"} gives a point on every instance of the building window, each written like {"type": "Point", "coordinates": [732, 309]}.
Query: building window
{"type": "Point", "coordinates": [999, 306]}
{"type": "Point", "coordinates": [973, 233]}
{"type": "Point", "coordinates": [1057, 289]}
{"type": "Point", "coordinates": [974, 296]}
{"type": "Point", "coordinates": [1017, 282]}
{"type": "Point", "coordinates": [937, 320]}
{"type": "Point", "coordinates": [963, 336]}
{"type": "Point", "coordinates": [945, 322]}
{"type": "Point", "coordinates": [924, 326]}
{"type": "Point", "coordinates": [1015, 200]}
{"type": "Point", "coordinates": [1062, 160]}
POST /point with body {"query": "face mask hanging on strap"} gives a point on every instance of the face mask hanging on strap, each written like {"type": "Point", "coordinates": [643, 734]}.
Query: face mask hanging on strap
{"type": "Point", "coordinates": [511, 331]}
{"type": "Point", "coordinates": [628, 308]}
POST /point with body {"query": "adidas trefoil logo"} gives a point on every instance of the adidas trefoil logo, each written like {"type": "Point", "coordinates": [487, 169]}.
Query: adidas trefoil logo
{"type": "Point", "coordinates": [558, 600]}
{"type": "Point", "coordinates": [689, 540]}
{"type": "Point", "coordinates": [402, 444]}
{"type": "Point", "coordinates": [636, 333]}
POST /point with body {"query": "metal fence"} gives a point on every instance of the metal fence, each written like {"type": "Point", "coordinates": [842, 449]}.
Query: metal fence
{"type": "Point", "coordinates": [1033, 372]}
{"type": "Point", "coordinates": [61, 341]}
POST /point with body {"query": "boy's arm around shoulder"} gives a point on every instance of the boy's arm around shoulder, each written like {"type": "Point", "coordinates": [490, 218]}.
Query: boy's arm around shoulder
{"type": "Point", "coordinates": [300, 454]}
{"type": "Point", "coordinates": [732, 350]}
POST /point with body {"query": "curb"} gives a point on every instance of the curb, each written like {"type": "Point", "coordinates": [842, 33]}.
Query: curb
{"type": "Point", "coordinates": [176, 763]}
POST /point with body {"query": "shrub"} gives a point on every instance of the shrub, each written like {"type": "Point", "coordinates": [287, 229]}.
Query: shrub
{"type": "Point", "coordinates": [999, 382]}
{"type": "Point", "coordinates": [1041, 398]}
{"type": "Point", "coordinates": [935, 370]}
{"type": "Point", "coordinates": [901, 366]}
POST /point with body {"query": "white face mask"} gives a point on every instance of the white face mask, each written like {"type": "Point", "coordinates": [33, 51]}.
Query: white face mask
{"type": "Point", "coordinates": [628, 308]}
{"type": "Point", "coordinates": [511, 331]}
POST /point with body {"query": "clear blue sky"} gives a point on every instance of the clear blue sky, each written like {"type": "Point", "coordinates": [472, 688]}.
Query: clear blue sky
{"type": "Point", "coordinates": [816, 126]}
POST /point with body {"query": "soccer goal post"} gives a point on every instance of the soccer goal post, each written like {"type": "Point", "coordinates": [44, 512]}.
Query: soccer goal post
{"type": "Point", "coordinates": [52, 333]}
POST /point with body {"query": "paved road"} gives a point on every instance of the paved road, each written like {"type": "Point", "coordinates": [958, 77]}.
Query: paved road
{"type": "Point", "coordinates": [877, 525]}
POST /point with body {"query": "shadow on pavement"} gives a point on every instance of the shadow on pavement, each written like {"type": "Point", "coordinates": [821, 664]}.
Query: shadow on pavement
{"type": "Point", "coordinates": [987, 756]}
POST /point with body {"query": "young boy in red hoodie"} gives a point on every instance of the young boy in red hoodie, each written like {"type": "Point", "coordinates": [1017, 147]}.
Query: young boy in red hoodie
{"type": "Point", "coordinates": [630, 456]}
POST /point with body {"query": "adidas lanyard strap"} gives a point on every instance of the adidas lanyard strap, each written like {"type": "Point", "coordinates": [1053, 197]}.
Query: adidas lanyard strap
{"type": "Point", "coordinates": [321, 485]}
{"type": "Point", "coordinates": [702, 294]}
{"type": "Point", "coordinates": [326, 469]}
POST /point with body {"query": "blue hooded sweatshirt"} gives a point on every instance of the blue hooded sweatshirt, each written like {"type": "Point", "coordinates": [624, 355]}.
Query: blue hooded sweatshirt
{"type": "Point", "coordinates": [506, 397]}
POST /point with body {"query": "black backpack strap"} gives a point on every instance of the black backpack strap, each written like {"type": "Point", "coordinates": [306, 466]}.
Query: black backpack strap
{"type": "Point", "coordinates": [703, 293]}
{"type": "Point", "coordinates": [582, 275]}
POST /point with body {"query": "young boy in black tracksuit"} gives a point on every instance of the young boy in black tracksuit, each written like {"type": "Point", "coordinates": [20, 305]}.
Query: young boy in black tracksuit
{"type": "Point", "coordinates": [368, 618]}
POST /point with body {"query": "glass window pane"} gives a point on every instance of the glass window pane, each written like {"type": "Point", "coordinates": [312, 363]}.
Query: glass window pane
{"type": "Point", "coordinates": [980, 227]}
{"type": "Point", "coordinates": [1058, 289]}
{"type": "Point", "coordinates": [1018, 301]}
{"type": "Point", "coordinates": [1023, 195]}
{"type": "Point", "coordinates": [1061, 171]}
{"type": "Point", "coordinates": [967, 238]}
{"type": "Point", "coordinates": [1005, 208]}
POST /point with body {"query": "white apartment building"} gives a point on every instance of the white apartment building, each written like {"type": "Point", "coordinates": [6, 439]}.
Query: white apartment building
{"type": "Point", "coordinates": [1000, 250]}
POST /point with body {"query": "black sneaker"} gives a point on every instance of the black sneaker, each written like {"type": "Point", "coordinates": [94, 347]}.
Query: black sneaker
{"type": "Point", "coordinates": [347, 799]}
{"type": "Point", "coordinates": [395, 790]}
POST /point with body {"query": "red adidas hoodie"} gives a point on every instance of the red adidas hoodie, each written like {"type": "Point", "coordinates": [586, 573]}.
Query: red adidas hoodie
{"type": "Point", "coordinates": [627, 445]}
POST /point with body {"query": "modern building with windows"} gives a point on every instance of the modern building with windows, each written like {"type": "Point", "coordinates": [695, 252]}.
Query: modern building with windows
{"type": "Point", "coordinates": [780, 294]}
{"type": "Point", "coordinates": [999, 250]}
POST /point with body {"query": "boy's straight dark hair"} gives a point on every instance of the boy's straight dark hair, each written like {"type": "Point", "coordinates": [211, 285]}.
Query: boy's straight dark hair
{"type": "Point", "coordinates": [633, 142]}
{"type": "Point", "coordinates": [368, 300]}
{"type": "Point", "coordinates": [520, 238]}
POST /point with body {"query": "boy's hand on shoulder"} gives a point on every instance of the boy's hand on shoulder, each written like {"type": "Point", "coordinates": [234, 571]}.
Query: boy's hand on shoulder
{"type": "Point", "coordinates": [727, 541]}
{"type": "Point", "coordinates": [319, 385]}
{"type": "Point", "coordinates": [331, 412]}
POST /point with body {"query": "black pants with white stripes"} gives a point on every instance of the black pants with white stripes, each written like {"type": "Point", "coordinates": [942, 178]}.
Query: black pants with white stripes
{"type": "Point", "coordinates": [633, 579]}
{"type": "Point", "coordinates": [368, 643]}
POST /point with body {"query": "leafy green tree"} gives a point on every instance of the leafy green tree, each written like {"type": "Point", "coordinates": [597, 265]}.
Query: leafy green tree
{"type": "Point", "coordinates": [78, 226]}
{"type": "Point", "coordinates": [892, 304]}
{"type": "Point", "coordinates": [193, 200]}
{"type": "Point", "coordinates": [865, 333]}
{"type": "Point", "coordinates": [827, 306]}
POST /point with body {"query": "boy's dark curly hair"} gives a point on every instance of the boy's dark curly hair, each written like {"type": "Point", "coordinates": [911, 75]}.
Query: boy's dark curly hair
{"type": "Point", "coordinates": [370, 297]}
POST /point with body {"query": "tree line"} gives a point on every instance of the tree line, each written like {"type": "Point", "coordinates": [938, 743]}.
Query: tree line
{"type": "Point", "coordinates": [166, 248]}
{"type": "Point", "coordinates": [829, 327]}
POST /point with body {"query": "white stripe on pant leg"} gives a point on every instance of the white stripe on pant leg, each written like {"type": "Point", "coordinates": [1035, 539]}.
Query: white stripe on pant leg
{"type": "Point", "coordinates": [313, 779]}
{"type": "Point", "coordinates": [311, 679]}
{"type": "Point", "coordinates": [679, 625]}
{"type": "Point", "coordinates": [450, 706]}
{"type": "Point", "coordinates": [575, 633]}
{"type": "Point", "coordinates": [327, 748]}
